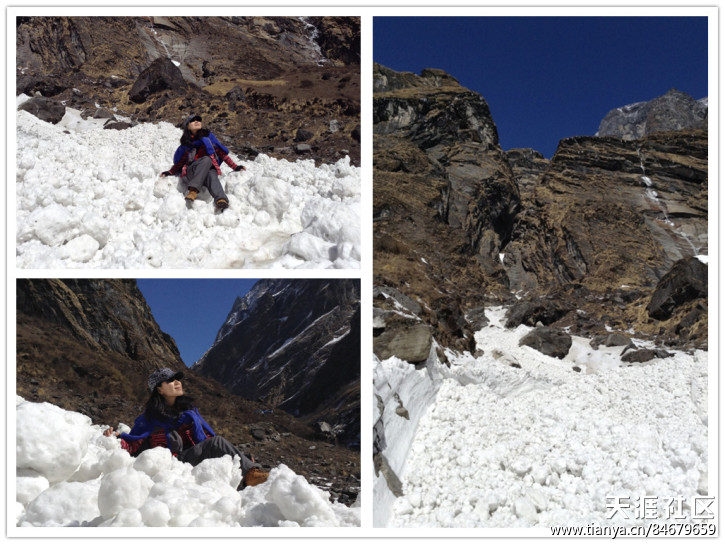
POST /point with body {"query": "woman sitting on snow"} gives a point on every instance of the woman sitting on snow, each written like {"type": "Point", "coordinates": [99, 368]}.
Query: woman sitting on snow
{"type": "Point", "coordinates": [197, 160]}
{"type": "Point", "coordinates": [171, 421]}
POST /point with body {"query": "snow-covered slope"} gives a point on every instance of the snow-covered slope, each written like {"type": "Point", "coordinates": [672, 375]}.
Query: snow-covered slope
{"type": "Point", "coordinates": [69, 474]}
{"type": "Point", "coordinates": [514, 438]}
{"type": "Point", "coordinates": [92, 198]}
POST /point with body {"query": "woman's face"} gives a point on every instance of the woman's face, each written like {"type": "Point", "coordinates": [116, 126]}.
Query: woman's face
{"type": "Point", "coordinates": [170, 390]}
{"type": "Point", "coordinates": [194, 126]}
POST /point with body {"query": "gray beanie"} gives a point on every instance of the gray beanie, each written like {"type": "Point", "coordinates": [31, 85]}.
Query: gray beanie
{"type": "Point", "coordinates": [190, 119]}
{"type": "Point", "coordinates": [162, 375]}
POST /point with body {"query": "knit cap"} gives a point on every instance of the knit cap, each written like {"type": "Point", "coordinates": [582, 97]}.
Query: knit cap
{"type": "Point", "coordinates": [161, 375]}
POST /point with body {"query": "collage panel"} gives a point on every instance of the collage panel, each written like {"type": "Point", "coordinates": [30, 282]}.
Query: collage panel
{"type": "Point", "coordinates": [188, 142]}
{"type": "Point", "coordinates": [187, 403]}
{"type": "Point", "coordinates": [541, 253]}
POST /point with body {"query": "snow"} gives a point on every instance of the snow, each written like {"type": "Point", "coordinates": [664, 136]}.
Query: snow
{"type": "Point", "coordinates": [492, 445]}
{"type": "Point", "coordinates": [69, 474]}
{"type": "Point", "coordinates": [92, 198]}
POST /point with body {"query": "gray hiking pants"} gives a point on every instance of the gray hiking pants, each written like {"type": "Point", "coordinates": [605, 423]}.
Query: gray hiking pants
{"type": "Point", "coordinates": [201, 173]}
{"type": "Point", "coordinates": [214, 447]}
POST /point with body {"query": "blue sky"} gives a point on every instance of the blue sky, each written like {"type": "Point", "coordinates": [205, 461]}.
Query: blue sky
{"type": "Point", "coordinates": [192, 311]}
{"type": "Point", "coordinates": [548, 78]}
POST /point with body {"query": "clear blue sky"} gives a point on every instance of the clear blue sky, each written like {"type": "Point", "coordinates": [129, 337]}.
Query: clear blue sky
{"type": "Point", "coordinates": [548, 78]}
{"type": "Point", "coordinates": [192, 311]}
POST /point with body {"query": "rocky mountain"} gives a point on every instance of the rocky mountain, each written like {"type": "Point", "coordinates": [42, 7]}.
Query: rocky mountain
{"type": "Point", "coordinates": [581, 242]}
{"type": "Point", "coordinates": [88, 345]}
{"type": "Point", "coordinates": [285, 86]}
{"type": "Point", "coordinates": [444, 200]}
{"type": "Point", "coordinates": [295, 345]}
{"type": "Point", "coordinates": [672, 111]}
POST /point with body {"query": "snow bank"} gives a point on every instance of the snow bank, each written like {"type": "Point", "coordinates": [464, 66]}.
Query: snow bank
{"type": "Point", "coordinates": [69, 474]}
{"type": "Point", "coordinates": [92, 198]}
{"type": "Point", "coordinates": [402, 395]}
{"type": "Point", "coordinates": [545, 445]}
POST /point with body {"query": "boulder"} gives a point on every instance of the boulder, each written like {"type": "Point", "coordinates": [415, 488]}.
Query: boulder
{"type": "Point", "coordinates": [117, 125]}
{"type": "Point", "coordinates": [303, 135]}
{"type": "Point", "coordinates": [609, 340]}
{"type": "Point", "coordinates": [303, 148]}
{"type": "Point", "coordinates": [103, 113]}
{"type": "Point", "coordinates": [476, 317]}
{"type": "Point", "coordinates": [234, 96]}
{"type": "Point", "coordinates": [45, 109]}
{"type": "Point", "coordinates": [407, 341]}
{"type": "Point", "coordinates": [686, 281]}
{"type": "Point", "coordinates": [549, 341]}
{"type": "Point", "coordinates": [162, 74]}
{"type": "Point", "coordinates": [530, 313]}
{"type": "Point", "coordinates": [644, 355]}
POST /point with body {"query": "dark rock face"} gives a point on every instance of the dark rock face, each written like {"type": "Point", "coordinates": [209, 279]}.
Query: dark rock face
{"type": "Point", "coordinates": [685, 282]}
{"type": "Point", "coordinates": [88, 345]}
{"type": "Point", "coordinates": [254, 80]}
{"type": "Point", "coordinates": [548, 341]}
{"type": "Point", "coordinates": [530, 313]}
{"type": "Point", "coordinates": [408, 341]}
{"type": "Point", "coordinates": [107, 315]}
{"type": "Point", "coordinates": [444, 199]}
{"type": "Point", "coordinates": [294, 344]}
{"type": "Point", "coordinates": [673, 111]}
{"type": "Point", "coordinates": [161, 75]}
{"type": "Point", "coordinates": [644, 355]}
{"type": "Point", "coordinates": [528, 165]}
{"type": "Point", "coordinates": [43, 108]}
{"type": "Point", "coordinates": [609, 340]}
{"type": "Point", "coordinates": [607, 210]}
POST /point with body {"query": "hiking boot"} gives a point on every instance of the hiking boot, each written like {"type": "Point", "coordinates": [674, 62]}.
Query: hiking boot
{"type": "Point", "coordinates": [192, 194]}
{"type": "Point", "coordinates": [222, 204]}
{"type": "Point", "coordinates": [255, 476]}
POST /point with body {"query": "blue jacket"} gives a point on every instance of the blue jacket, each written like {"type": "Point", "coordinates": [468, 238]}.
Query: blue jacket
{"type": "Point", "coordinates": [209, 142]}
{"type": "Point", "coordinates": [206, 145]}
{"type": "Point", "coordinates": [145, 425]}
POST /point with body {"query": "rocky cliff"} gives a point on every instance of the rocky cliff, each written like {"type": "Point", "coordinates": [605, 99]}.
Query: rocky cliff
{"type": "Point", "coordinates": [294, 344]}
{"type": "Point", "coordinates": [88, 345]}
{"type": "Point", "coordinates": [582, 241]}
{"type": "Point", "coordinates": [78, 338]}
{"type": "Point", "coordinates": [285, 86]}
{"type": "Point", "coordinates": [445, 197]}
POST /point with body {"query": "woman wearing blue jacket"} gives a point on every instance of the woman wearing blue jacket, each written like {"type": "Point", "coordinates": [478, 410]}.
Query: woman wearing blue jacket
{"type": "Point", "coordinates": [197, 160]}
{"type": "Point", "coordinates": [171, 421]}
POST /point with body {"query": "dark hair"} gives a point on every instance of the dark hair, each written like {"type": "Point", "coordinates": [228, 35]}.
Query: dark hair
{"type": "Point", "coordinates": [187, 138]}
{"type": "Point", "coordinates": [158, 409]}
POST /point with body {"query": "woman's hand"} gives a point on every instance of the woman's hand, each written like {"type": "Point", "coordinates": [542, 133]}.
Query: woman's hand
{"type": "Point", "coordinates": [239, 168]}
{"type": "Point", "coordinates": [110, 432]}
{"type": "Point", "coordinates": [164, 174]}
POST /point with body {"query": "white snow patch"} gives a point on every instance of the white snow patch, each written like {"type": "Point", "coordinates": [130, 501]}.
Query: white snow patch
{"type": "Point", "coordinates": [494, 445]}
{"type": "Point", "coordinates": [282, 214]}
{"type": "Point", "coordinates": [69, 474]}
